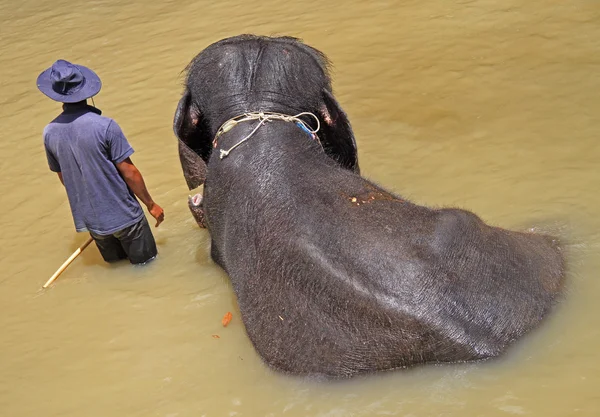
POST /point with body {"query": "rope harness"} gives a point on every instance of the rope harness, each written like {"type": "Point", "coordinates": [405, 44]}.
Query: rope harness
{"type": "Point", "coordinates": [263, 118]}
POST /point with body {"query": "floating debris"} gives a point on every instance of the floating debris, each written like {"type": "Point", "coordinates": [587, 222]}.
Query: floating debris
{"type": "Point", "coordinates": [226, 319]}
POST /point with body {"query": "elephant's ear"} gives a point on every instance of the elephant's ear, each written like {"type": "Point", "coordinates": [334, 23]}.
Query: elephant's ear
{"type": "Point", "coordinates": [194, 142]}
{"type": "Point", "coordinates": [336, 133]}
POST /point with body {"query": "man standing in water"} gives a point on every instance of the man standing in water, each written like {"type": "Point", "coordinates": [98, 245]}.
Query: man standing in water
{"type": "Point", "coordinates": [91, 156]}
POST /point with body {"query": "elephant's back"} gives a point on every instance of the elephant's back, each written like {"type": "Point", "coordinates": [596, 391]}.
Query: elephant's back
{"type": "Point", "coordinates": [353, 284]}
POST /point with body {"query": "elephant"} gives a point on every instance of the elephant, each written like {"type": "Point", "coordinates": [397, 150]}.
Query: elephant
{"type": "Point", "coordinates": [334, 275]}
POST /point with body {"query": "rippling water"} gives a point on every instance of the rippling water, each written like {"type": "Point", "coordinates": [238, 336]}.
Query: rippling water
{"type": "Point", "coordinates": [488, 105]}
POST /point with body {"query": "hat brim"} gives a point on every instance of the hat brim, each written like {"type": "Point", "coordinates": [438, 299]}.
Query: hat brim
{"type": "Point", "coordinates": [90, 88]}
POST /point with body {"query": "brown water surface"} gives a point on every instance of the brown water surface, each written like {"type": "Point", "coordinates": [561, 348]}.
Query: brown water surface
{"type": "Point", "coordinates": [485, 104]}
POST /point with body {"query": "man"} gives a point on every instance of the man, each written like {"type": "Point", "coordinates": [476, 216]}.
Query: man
{"type": "Point", "coordinates": [91, 156]}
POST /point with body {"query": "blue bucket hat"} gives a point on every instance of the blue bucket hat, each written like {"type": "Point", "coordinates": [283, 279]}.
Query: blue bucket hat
{"type": "Point", "coordinates": [68, 83]}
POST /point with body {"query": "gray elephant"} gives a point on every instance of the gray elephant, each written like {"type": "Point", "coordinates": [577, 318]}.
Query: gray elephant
{"type": "Point", "coordinates": [334, 275]}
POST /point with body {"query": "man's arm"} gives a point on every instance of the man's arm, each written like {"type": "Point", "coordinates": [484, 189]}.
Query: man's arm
{"type": "Point", "coordinates": [60, 178]}
{"type": "Point", "coordinates": [135, 181]}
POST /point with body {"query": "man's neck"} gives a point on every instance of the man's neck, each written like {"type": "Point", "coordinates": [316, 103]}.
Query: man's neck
{"type": "Point", "coordinates": [80, 105]}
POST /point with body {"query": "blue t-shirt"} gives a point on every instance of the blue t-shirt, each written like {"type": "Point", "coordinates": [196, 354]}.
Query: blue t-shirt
{"type": "Point", "coordinates": [85, 146]}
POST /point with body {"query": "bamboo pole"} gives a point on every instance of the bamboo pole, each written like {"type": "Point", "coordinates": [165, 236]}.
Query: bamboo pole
{"type": "Point", "coordinates": [67, 262]}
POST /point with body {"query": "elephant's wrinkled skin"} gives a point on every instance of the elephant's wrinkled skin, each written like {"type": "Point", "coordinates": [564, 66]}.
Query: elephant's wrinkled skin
{"type": "Point", "coordinates": [335, 276]}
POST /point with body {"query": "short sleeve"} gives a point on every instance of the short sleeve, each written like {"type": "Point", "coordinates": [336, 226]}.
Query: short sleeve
{"type": "Point", "coordinates": [52, 160]}
{"type": "Point", "coordinates": [119, 148]}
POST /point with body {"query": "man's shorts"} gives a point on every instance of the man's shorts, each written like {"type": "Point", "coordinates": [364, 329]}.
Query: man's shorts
{"type": "Point", "coordinates": [135, 243]}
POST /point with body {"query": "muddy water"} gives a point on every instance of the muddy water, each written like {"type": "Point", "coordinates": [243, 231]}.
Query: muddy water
{"type": "Point", "coordinates": [488, 105]}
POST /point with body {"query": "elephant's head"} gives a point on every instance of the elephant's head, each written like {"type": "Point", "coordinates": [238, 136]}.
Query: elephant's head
{"type": "Point", "coordinates": [253, 73]}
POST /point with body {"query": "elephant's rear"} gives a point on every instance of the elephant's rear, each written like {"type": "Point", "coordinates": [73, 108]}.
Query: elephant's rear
{"type": "Point", "coordinates": [496, 285]}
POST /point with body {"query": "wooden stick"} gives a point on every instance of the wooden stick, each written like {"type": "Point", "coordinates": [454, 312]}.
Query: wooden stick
{"type": "Point", "coordinates": [67, 262]}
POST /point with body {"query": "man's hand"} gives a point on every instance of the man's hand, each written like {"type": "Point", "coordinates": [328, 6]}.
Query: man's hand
{"type": "Point", "coordinates": [157, 212]}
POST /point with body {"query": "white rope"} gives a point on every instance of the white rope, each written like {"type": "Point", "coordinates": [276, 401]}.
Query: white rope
{"type": "Point", "coordinates": [264, 117]}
